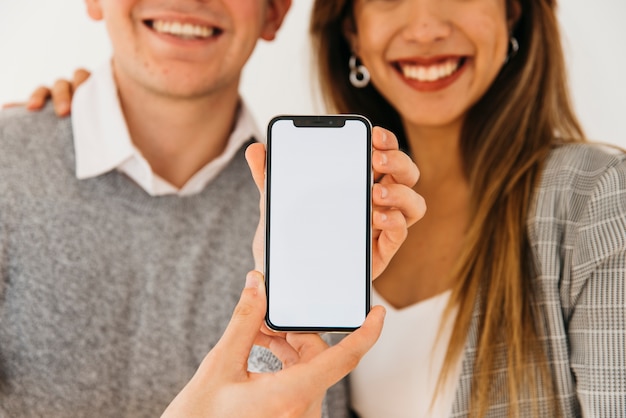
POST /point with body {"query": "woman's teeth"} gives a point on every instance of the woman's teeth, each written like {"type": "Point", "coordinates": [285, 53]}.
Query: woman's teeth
{"type": "Point", "coordinates": [183, 30]}
{"type": "Point", "coordinates": [431, 72]}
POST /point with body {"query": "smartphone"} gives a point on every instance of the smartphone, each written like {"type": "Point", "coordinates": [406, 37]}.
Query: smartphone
{"type": "Point", "coordinates": [318, 223]}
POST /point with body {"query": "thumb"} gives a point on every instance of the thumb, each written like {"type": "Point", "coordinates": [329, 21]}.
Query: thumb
{"type": "Point", "coordinates": [333, 364]}
{"type": "Point", "coordinates": [255, 155]}
{"type": "Point", "coordinates": [246, 321]}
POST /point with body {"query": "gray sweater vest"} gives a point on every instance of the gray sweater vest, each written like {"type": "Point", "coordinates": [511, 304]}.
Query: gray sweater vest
{"type": "Point", "coordinates": [109, 298]}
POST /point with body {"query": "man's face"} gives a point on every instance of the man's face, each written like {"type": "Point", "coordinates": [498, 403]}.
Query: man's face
{"type": "Point", "coordinates": [186, 48]}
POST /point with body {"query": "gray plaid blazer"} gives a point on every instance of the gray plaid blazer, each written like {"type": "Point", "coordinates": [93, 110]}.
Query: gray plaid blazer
{"type": "Point", "coordinates": [577, 231]}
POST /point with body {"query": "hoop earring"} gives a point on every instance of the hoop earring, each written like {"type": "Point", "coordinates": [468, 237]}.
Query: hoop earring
{"type": "Point", "coordinates": [513, 48]}
{"type": "Point", "coordinates": [359, 75]}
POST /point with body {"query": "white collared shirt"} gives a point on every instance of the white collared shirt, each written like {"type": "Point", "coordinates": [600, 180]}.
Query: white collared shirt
{"type": "Point", "coordinates": [102, 142]}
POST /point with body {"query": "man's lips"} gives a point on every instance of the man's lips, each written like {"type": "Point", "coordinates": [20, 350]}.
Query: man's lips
{"type": "Point", "coordinates": [183, 30]}
{"type": "Point", "coordinates": [430, 71]}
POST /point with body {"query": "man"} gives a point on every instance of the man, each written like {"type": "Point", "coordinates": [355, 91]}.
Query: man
{"type": "Point", "coordinates": [125, 231]}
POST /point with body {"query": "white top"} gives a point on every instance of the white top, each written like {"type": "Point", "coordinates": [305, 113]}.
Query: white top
{"type": "Point", "coordinates": [102, 142]}
{"type": "Point", "coordinates": [397, 378]}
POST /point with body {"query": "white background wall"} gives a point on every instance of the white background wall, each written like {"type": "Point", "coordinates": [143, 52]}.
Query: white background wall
{"type": "Point", "coordinates": [41, 40]}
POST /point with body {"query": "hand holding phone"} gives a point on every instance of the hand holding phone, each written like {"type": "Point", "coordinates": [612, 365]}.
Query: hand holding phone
{"type": "Point", "coordinates": [311, 366]}
{"type": "Point", "coordinates": [396, 206]}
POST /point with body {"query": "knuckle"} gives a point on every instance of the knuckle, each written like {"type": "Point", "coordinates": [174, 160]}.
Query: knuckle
{"type": "Point", "coordinates": [416, 175]}
{"type": "Point", "coordinates": [398, 233]}
{"type": "Point", "coordinates": [421, 207]}
{"type": "Point", "coordinates": [41, 92]}
{"type": "Point", "coordinates": [244, 310]}
{"type": "Point", "coordinates": [60, 83]}
{"type": "Point", "coordinates": [402, 233]}
{"type": "Point", "coordinates": [395, 227]}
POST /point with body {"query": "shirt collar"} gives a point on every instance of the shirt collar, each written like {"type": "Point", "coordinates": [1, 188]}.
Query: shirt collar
{"type": "Point", "coordinates": [102, 142]}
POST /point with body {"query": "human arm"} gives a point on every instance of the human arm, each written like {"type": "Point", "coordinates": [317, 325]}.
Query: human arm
{"type": "Point", "coordinates": [597, 325]}
{"type": "Point", "coordinates": [61, 94]}
{"type": "Point", "coordinates": [223, 387]}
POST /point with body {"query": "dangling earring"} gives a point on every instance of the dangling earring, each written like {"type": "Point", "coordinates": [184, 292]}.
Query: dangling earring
{"type": "Point", "coordinates": [513, 48]}
{"type": "Point", "coordinates": [359, 76]}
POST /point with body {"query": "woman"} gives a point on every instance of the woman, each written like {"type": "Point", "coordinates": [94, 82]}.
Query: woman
{"type": "Point", "coordinates": [508, 298]}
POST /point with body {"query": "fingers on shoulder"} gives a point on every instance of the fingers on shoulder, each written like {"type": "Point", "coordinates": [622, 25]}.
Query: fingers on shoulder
{"type": "Point", "coordinates": [79, 77]}
{"type": "Point", "coordinates": [38, 98]}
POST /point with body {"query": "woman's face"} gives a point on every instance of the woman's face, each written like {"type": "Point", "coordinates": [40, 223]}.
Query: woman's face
{"type": "Point", "coordinates": [431, 59]}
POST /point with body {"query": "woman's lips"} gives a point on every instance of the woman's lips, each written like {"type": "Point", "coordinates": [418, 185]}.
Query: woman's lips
{"type": "Point", "coordinates": [432, 74]}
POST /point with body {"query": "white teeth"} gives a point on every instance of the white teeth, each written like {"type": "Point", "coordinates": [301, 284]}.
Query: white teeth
{"type": "Point", "coordinates": [183, 30]}
{"type": "Point", "coordinates": [430, 72]}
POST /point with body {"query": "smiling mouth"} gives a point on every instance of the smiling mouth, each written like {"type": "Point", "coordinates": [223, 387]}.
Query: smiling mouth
{"type": "Point", "coordinates": [428, 73]}
{"type": "Point", "coordinates": [181, 30]}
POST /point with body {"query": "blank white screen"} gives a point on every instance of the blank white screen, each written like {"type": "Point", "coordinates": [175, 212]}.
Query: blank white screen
{"type": "Point", "coordinates": [318, 218]}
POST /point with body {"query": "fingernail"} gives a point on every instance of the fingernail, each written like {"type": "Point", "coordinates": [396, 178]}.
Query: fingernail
{"type": "Point", "coordinates": [383, 217]}
{"type": "Point", "coordinates": [252, 280]}
{"type": "Point", "coordinates": [384, 137]}
{"type": "Point", "coordinates": [383, 158]}
{"type": "Point", "coordinates": [383, 192]}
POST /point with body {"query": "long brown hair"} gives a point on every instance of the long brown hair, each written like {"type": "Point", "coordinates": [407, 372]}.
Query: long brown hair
{"type": "Point", "coordinates": [505, 139]}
